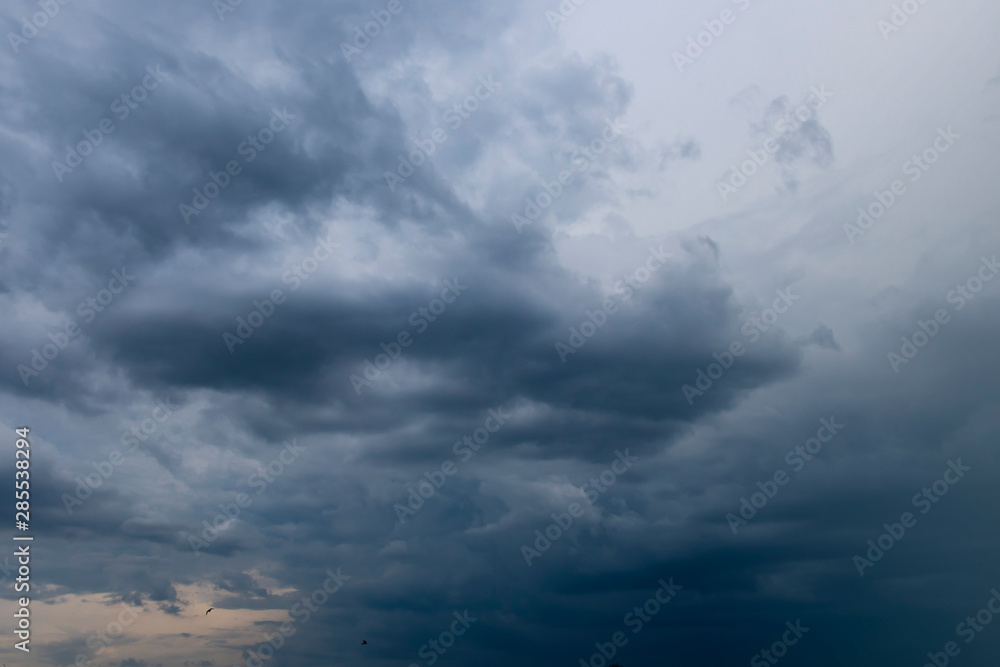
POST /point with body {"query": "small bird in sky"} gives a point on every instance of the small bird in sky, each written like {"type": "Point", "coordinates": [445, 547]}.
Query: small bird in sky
{"type": "Point", "coordinates": [209, 609]}
{"type": "Point", "coordinates": [363, 642]}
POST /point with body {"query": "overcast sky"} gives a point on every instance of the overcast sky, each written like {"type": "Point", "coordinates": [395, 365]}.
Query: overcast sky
{"type": "Point", "coordinates": [503, 332]}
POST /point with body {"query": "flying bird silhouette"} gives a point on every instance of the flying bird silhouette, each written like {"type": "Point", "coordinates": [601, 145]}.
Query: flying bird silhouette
{"type": "Point", "coordinates": [363, 642]}
{"type": "Point", "coordinates": [209, 609]}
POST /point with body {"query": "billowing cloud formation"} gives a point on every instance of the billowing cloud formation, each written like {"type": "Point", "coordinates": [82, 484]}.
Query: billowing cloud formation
{"type": "Point", "coordinates": [425, 324]}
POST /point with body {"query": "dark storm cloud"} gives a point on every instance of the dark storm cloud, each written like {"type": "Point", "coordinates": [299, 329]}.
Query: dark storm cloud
{"type": "Point", "coordinates": [132, 662]}
{"type": "Point", "coordinates": [124, 199]}
{"type": "Point", "coordinates": [494, 348]}
{"type": "Point", "coordinates": [480, 337]}
{"type": "Point", "coordinates": [822, 337]}
{"type": "Point", "coordinates": [239, 582]}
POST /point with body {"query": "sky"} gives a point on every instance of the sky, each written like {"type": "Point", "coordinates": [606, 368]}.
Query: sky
{"type": "Point", "coordinates": [538, 333]}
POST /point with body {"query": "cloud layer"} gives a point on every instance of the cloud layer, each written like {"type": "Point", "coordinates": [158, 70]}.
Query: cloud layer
{"type": "Point", "coordinates": [360, 321]}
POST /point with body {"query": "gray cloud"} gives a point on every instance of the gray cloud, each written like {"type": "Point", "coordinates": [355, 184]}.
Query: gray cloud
{"type": "Point", "coordinates": [366, 449]}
